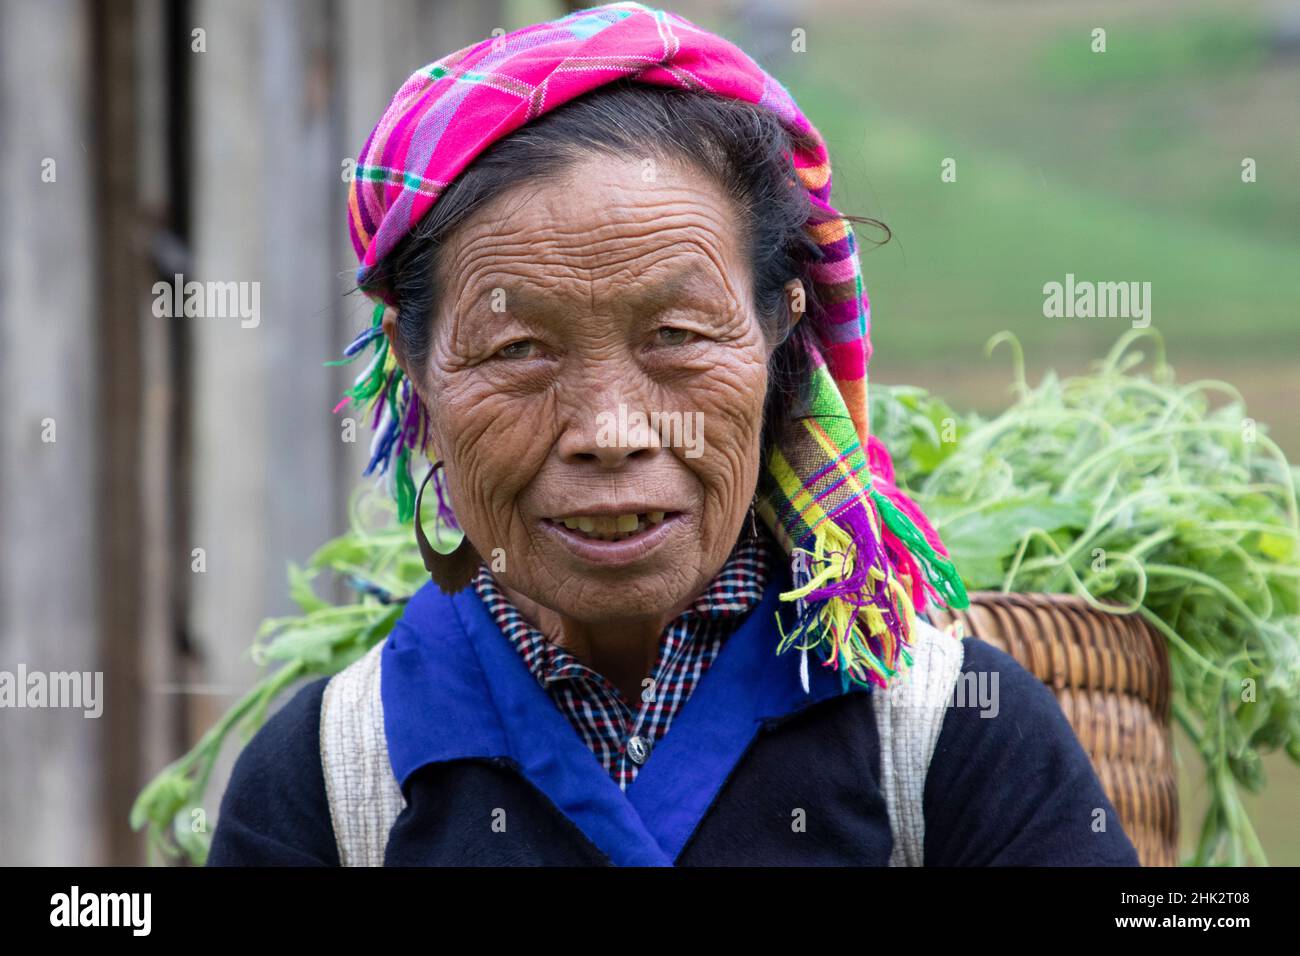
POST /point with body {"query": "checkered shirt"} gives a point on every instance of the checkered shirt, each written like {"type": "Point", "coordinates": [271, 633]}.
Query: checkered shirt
{"type": "Point", "coordinates": [600, 714]}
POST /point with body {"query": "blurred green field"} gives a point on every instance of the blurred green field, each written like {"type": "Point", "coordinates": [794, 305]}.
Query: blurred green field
{"type": "Point", "coordinates": [1115, 166]}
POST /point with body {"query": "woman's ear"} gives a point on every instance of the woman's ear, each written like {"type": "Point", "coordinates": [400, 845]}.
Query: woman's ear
{"type": "Point", "coordinates": [389, 324]}
{"type": "Point", "coordinates": [795, 299]}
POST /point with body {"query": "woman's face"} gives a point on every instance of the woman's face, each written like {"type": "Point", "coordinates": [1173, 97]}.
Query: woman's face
{"type": "Point", "coordinates": [574, 312]}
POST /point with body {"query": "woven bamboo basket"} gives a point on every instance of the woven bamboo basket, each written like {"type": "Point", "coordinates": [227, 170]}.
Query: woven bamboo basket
{"type": "Point", "coordinates": [1110, 674]}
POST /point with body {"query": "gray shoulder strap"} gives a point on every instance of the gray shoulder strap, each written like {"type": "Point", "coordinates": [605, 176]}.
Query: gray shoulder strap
{"type": "Point", "coordinates": [363, 794]}
{"type": "Point", "coordinates": [908, 719]}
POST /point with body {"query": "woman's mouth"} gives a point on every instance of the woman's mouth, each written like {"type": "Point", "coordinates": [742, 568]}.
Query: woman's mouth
{"type": "Point", "coordinates": [613, 539]}
{"type": "Point", "coordinates": [612, 527]}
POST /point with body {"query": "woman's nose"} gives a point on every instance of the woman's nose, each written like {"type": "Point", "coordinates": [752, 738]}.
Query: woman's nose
{"type": "Point", "coordinates": [610, 436]}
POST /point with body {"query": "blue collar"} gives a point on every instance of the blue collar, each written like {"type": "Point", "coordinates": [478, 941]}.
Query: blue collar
{"type": "Point", "coordinates": [453, 687]}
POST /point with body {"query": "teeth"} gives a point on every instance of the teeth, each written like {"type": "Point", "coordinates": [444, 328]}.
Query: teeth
{"type": "Point", "coordinates": [612, 527]}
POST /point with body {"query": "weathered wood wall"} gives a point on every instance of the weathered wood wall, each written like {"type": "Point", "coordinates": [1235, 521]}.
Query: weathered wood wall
{"type": "Point", "coordinates": [219, 156]}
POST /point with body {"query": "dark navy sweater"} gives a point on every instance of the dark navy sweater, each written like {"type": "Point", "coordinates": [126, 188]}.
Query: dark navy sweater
{"type": "Point", "coordinates": [754, 771]}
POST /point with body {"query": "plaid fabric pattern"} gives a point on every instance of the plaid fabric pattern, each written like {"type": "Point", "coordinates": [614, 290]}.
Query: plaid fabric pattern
{"type": "Point", "coordinates": [602, 716]}
{"type": "Point", "coordinates": [864, 557]}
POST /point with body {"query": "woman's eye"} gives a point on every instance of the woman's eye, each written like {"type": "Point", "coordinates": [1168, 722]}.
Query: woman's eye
{"type": "Point", "coordinates": [672, 336]}
{"type": "Point", "coordinates": [517, 350]}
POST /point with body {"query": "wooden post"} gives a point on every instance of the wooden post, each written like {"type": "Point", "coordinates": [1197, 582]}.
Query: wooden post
{"type": "Point", "coordinates": [119, 332]}
{"type": "Point", "coordinates": [161, 160]}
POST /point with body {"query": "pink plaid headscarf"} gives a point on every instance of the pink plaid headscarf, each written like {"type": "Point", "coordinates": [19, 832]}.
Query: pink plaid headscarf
{"type": "Point", "coordinates": [857, 582]}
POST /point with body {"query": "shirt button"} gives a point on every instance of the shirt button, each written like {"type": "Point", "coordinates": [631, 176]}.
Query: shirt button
{"type": "Point", "coordinates": [638, 748]}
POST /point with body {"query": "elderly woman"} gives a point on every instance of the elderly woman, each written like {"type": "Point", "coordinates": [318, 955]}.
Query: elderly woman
{"type": "Point", "coordinates": [685, 622]}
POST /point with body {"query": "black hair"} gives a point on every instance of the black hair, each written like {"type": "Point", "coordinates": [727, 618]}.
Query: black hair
{"type": "Point", "coordinates": [745, 149]}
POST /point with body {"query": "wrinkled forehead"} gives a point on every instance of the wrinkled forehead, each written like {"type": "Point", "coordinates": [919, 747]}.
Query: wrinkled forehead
{"type": "Point", "coordinates": [650, 234]}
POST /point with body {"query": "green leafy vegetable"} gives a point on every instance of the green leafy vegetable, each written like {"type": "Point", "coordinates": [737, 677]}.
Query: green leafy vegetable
{"type": "Point", "coordinates": [1138, 493]}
